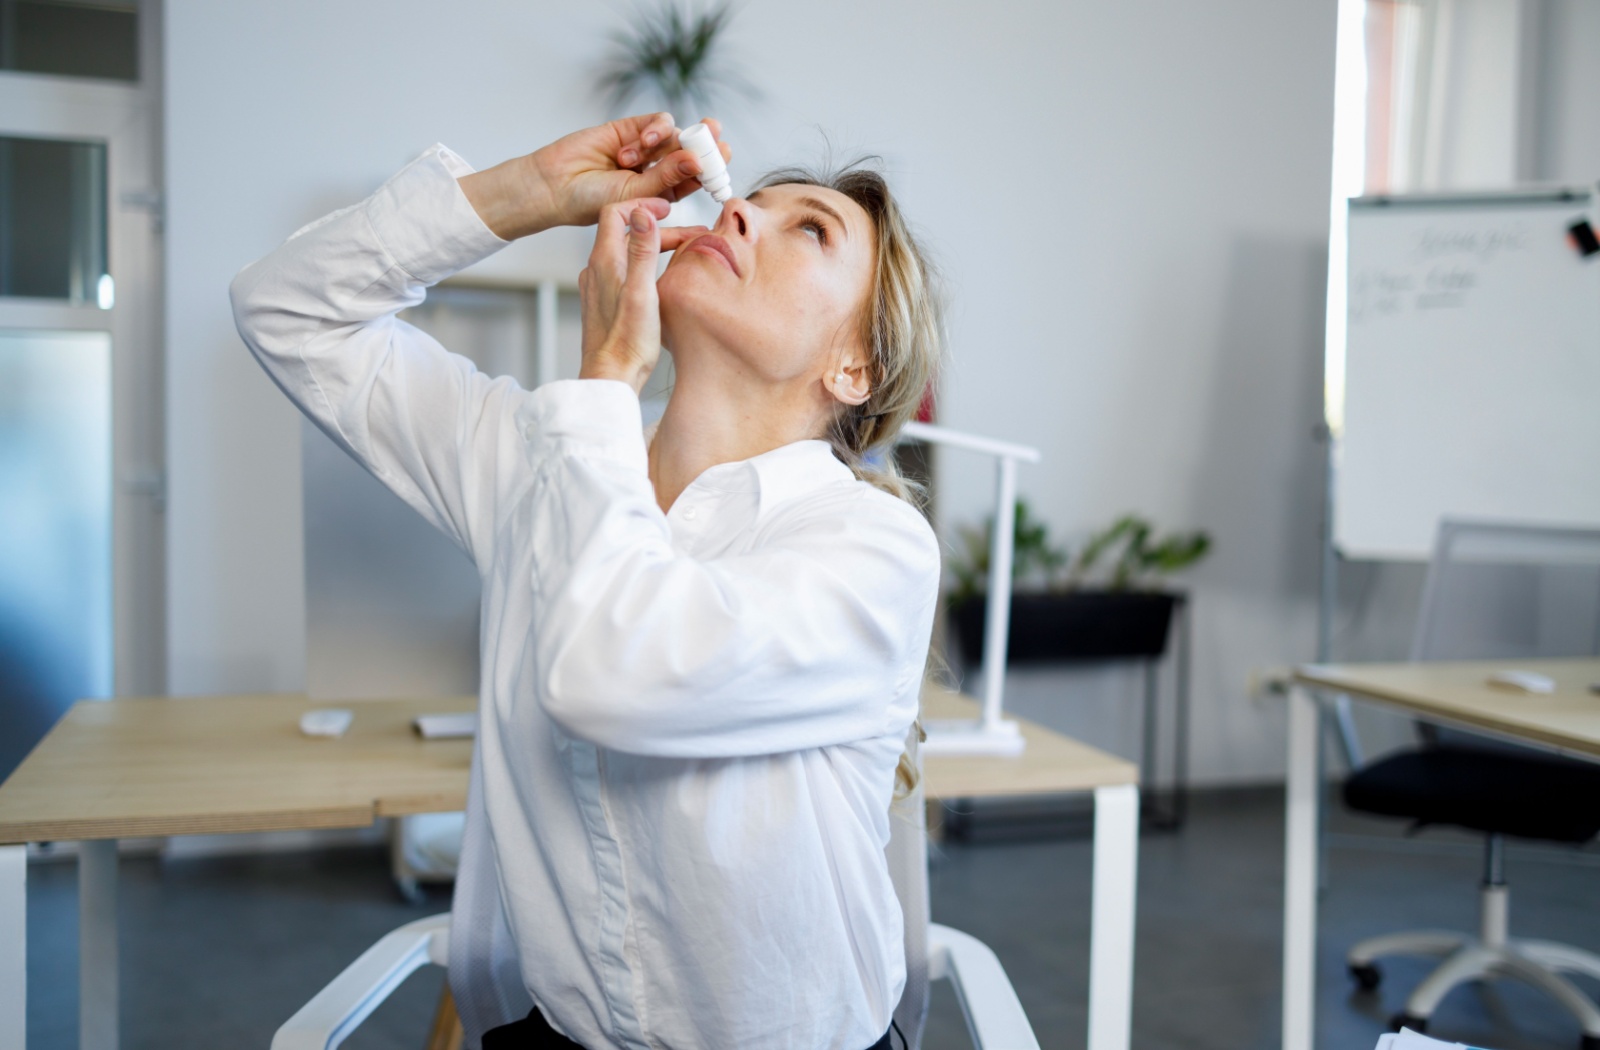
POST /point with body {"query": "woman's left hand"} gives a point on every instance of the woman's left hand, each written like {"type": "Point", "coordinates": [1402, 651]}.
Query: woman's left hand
{"type": "Point", "coordinates": [621, 312]}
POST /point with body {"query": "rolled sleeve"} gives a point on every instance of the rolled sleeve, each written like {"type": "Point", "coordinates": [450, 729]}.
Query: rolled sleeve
{"type": "Point", "coordinates": [425, 222]}
{"type": "Point", "coordinates": [590, 417]}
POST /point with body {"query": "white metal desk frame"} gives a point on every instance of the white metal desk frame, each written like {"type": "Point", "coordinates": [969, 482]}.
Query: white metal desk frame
{"type": "Point", "coordinates": [1302, 819]}
{"type": "Point", "coordinates": [1111, 916]}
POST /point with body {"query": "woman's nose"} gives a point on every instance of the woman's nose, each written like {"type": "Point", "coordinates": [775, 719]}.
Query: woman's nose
{"type": "Point", "coordinates": [738, 219]}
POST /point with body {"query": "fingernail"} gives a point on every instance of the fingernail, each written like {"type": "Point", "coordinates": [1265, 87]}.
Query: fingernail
{"type": "Point", "coordinates": [640, 221]}
{"type": "Point", "coordinates": [652, 137]}
{"type": "Point", "coordinates": [629, 157]}
{"type": "Point", "coordinates": [689, 167]}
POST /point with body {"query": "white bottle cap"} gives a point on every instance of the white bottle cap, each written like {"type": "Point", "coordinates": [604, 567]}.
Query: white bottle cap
{"type": "Point", "coordinates": [698, 140]}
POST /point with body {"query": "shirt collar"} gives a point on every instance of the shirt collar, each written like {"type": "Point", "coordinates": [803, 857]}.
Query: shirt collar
{"type": "Point", "coordinates": [795, 470]}
{"type": "Point", "coordinates": [779, 475]}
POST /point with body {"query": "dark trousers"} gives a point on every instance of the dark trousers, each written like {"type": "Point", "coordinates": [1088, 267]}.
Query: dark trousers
{"type": "Point", "coordinates": [534, 1033]}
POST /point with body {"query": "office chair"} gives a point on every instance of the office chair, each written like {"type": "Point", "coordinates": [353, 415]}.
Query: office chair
{"type": "Point", "coordinates": [1493, 592]}
{"type": "Point", "coordinates": [995, 1019]}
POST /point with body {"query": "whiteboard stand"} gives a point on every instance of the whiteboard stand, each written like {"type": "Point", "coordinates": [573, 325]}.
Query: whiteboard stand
{"type": "Point", "coordinates": [990, 734]}
{"type": "Point", "coordinates": [1461, 368]}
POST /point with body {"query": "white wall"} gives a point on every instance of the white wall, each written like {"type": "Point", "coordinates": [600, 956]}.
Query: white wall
{"type": "Point", "coordinates": [1568, 126]}
{"type": "Point", "coordinates": [1131, 203]}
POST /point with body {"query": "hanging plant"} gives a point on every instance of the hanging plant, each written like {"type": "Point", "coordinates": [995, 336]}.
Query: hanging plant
{"type": "Point", "coordinates": [673, 56]}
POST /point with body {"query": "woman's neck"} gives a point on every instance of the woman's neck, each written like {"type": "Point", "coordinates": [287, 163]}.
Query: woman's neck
{"type": "Point", "coordinates": [722, 415]}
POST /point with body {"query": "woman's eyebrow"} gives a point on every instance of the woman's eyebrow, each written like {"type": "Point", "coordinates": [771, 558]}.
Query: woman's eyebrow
{"type": "Point", "coordinates": [826, 209]}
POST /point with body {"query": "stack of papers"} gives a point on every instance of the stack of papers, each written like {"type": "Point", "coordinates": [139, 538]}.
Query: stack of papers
{"type": "Point", "coordinates": [1406, 1039]}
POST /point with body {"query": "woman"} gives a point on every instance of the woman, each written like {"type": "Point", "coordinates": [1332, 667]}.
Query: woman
{"type": "Point", "coordinates": [701, 654]}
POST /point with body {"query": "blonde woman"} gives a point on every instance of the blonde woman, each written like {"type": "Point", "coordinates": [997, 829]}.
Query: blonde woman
{"type": "Point", "coordinates": [702, 647]}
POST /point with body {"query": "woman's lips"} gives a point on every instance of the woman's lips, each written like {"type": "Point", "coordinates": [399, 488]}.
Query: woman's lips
{"type": "Point", "coordinates": [712, 245]}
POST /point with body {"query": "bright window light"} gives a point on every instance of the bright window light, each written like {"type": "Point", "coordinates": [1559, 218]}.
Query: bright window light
{"type": "Point", "coordinates": [1349, 164]}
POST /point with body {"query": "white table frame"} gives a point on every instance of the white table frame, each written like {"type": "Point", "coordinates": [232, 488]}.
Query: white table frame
{"type": "Point", "coordinates": [1112, 915]}
{"type": "Point", "coordinates": [1302, 818]}
{"type": "Point", "coordinates": [1111, 932]}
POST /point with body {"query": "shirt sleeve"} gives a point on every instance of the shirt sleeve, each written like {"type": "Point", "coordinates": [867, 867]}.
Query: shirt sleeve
{"type": "Point", "coordinates": [815, 638]}
{"type": "Point", "coordinates": [319, 315]}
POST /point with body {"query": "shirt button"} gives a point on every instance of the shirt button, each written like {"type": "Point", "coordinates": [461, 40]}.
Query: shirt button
{"type": "Point", "coordinates": [528, 431]}
{"type": "Point", "coordinates": [689, 514]}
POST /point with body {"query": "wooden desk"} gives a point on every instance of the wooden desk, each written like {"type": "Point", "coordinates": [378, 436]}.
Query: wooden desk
{"type": "Point", "coordinates": [217, 765]}
{"type": "Point", "coordinates": [207, 765]}
{"type": "Point", "coordinates": [1051, 764]}
{"type": "Point", "coordinates": [1455, 694]}
{"type": "Point", "coordinates": [130, 768]}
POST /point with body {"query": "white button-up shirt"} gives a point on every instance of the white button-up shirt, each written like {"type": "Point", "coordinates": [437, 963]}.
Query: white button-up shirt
{"type": "Point", "coordinates": [690, 721]}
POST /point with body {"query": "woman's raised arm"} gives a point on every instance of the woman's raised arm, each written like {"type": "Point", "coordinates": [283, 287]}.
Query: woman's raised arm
{"type": "Point", "coordinates": [319, 312]}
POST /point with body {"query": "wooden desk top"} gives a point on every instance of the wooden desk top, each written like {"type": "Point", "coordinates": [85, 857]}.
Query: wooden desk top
{"type": "Point", "coordinates": [215, 765]}
{"type": "Point", "coordinates": [1567, 719]}
{"type": "Point", "coordinates": [1051, 764]}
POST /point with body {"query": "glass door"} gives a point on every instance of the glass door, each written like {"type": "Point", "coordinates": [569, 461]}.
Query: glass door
{"type": "Point", "coordinates": [81, 479]}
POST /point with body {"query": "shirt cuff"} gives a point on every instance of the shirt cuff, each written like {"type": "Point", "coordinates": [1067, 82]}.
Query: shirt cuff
{"type": "Point", "coordinates": [599, 416]}
{"type": "Point", "coordinates": [425, 221]}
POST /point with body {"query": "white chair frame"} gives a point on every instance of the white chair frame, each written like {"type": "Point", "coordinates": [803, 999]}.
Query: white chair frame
{"type": "Point", "coordinates": [994, 1015]}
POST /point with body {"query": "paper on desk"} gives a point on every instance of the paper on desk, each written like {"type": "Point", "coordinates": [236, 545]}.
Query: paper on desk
{"type": "Point", "coordinates": [444, 727]}
{"type": "Point", "coordinates": [1406, 1039]}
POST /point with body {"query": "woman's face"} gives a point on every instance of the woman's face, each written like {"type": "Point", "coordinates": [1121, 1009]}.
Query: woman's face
{"type": "Point", "coordinates": [779, 282]}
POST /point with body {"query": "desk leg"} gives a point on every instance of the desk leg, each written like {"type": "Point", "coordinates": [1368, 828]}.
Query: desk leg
{"type": "Point", "coordinates": [13, 947]}
{"type": "Point", "coordinates": [97, 945]}
{"type": "Point", "coordinates": [1116, 879]}
{"type": "Point", "coordinates": [1300, 874]}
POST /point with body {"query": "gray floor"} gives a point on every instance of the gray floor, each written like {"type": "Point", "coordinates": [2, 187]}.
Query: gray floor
{"type": "Point", "coordinates": [217, 952]}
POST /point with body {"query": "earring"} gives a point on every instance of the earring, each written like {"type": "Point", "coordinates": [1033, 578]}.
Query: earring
{"type": "Point", "coordinates": [842, 379]}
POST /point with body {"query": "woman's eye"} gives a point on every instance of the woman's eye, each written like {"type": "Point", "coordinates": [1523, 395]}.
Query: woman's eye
{"type": "Point", "coordinates": [815, 230]}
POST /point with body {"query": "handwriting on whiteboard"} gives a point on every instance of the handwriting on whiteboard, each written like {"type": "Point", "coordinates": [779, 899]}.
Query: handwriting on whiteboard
{"type": "Point", "coordinates": [1440, 272]}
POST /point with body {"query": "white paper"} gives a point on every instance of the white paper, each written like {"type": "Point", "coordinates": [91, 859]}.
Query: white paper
{"type": "Point", "coordinates": [1406, 1039]}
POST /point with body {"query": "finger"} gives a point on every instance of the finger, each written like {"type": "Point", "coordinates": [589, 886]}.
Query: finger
{"type": "Point", "coordinates": [659, 129]}
{"type": "Point", "coordinates": [642, 137]}
{"type": "Point", "coordinates": [611, 239]}
{"type": "Point", "coordinates": [675, 237]}
{"type": "Point", "coordinates": [670, 143]}
{"type": "Point", "coordinates": [644, 244]}
{"type": "Point", "coordinates": [674, 177]}
{"type": "Point", "coordinates": [614, 217]}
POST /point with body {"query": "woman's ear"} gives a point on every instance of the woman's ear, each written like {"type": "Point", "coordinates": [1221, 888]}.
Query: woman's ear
{"type": "Point", "coordinates": [848, 383]}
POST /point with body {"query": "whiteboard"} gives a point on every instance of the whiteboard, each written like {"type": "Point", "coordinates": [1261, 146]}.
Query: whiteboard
{"type": "Point", "coordinates": [1471, 379]}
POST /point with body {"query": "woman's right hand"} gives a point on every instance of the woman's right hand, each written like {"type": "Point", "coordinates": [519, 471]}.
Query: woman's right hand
{"type": "Point", "coordinates": [568, 182]}
{"type": "Point", "coordinates": [621, 311]}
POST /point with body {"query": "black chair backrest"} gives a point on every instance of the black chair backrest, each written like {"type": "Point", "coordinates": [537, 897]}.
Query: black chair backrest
{"type": "Point", "coordinates": [1502, 591]}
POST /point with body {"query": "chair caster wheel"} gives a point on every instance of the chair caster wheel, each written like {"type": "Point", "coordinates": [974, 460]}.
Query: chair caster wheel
{"type": "Point", "coordinates": [1367, 976]}
{"type": "Point", "coordinates": [1411, 1021]}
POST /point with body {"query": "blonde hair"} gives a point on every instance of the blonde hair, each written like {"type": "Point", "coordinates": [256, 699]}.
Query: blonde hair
{"type": "Point", "coordinates": [902, 328]}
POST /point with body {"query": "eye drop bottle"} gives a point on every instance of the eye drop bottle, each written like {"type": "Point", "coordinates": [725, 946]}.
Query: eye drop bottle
{"type": "Point", "coordinates": [713, 169]}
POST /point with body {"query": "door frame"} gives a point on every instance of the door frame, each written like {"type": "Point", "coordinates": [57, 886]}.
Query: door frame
{"type": "Point", "coordinates": [126, 117]}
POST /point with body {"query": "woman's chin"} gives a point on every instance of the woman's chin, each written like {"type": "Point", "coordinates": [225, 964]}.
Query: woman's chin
{"type": "Point", "coordinates": [688, 291]}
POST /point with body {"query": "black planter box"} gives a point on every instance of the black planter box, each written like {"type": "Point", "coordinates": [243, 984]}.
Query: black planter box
{"type": "Point", "coordinates": [1071, 625]}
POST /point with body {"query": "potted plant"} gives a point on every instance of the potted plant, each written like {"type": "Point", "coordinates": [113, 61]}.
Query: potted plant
{"type": "Point", "coordinates": [1107, 603]}
{"type": "Point", "coordinates": [672, 56]}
